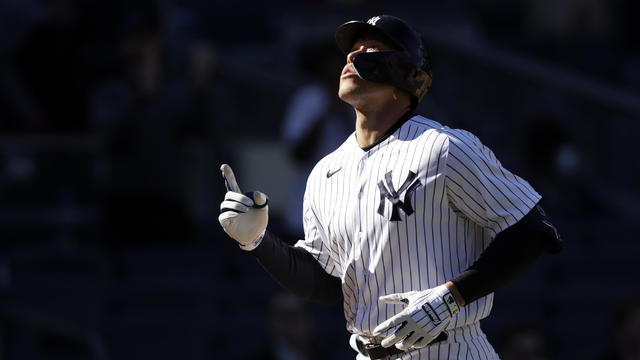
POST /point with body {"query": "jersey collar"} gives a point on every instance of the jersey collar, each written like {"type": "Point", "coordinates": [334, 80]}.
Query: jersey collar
{"type": "Point", "coordinates": [403, 119]}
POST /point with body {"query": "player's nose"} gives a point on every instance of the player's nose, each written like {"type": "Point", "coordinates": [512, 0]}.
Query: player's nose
{"type": "Point", "coordinates": [354, 53]}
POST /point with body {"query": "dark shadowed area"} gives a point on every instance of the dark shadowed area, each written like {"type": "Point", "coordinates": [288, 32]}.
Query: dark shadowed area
{"type": "Point", "coordinates": [116, 115]}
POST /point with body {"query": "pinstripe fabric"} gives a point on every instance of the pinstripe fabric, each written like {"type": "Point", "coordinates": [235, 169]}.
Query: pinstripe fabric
{"type": "Point", "coordinates": [467, 342]}
{"type": "Point", "coordinates": [463, 199]}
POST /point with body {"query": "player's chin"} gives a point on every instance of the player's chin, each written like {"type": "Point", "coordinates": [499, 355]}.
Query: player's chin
{"type": "Point", "coordinates": [348, 89]}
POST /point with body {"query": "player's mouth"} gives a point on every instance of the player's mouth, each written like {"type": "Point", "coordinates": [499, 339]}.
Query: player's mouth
{"type": "Point", "coordinates": [348, 71]}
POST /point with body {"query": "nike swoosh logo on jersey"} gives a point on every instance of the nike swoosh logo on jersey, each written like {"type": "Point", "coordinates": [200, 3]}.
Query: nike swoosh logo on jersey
{"type": "Point", "coordinates": [331, 173]}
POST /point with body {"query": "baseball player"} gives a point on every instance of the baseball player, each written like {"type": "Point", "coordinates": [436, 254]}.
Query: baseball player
{"type": "Point", "coordinates": [412, 223]}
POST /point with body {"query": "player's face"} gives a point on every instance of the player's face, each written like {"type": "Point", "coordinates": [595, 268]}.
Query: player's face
{"type": "Point", "coordinates": [354, 89]}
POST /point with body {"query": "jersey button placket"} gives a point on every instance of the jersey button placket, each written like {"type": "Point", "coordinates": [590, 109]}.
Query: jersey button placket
{"type": "Point", "coordinates": [362, 235]}
{"type": "Point", "coordinates": [362, 182]}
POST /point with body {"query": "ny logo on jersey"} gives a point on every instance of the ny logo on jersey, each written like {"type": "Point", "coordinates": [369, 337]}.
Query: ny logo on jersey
{"type": "Point", "coordinates": [373, 20]}
{"type": "Point", "coordinates": [388, 191]}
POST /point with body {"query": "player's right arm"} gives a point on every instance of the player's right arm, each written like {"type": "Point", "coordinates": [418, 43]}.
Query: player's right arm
{"type": "Point", "coordinates": [244, 218]}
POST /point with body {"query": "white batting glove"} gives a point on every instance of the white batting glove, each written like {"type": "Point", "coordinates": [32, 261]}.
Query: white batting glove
{"type": "Point", "coordinates": [243, 217]}
{"type": "Point", "coordinates": [427, 314]}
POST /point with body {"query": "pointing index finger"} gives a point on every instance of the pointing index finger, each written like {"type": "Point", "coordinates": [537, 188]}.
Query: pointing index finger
{"type": "Point", "coordinates": [229, 178]}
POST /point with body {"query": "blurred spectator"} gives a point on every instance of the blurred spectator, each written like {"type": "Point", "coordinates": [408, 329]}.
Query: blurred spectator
{"type": "Point", "coordinates": [205, 127]}
{"type": "Point", "coordinates": [153, 107]}
{"type": "Point", "coordinates": [625, 332]}
{"type": "Point", "coordinates": [50, 65]}
{"type": "Point", "coordinates": [523, 343]}
{"type": "Point", "coordinates": [141, 113]}
{"type": "Point", "coordinates": [558, 167]}
{"type": "Point", "coordinates": [290, 329]}
{"type": "Point", "coordinates": [578, 33]}
{"type": "Point", "coordinates": [144, 135]}
{"type": "Point", "coordinates": [549, 149]}
{"type": "Point", "coordinates": [582, 34]}
{"type": "Point", "coordinates": [16, 19]}
{"type": "Point", "coordinates": [316, 120]}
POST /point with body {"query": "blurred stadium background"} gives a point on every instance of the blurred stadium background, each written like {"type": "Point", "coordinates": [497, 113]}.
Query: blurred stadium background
{"type": "Point", "coordinates": [115, 117]}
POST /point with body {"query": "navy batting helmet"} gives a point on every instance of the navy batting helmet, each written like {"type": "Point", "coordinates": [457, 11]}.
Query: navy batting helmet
{"type": "Point", "coordinates": [408, 67]}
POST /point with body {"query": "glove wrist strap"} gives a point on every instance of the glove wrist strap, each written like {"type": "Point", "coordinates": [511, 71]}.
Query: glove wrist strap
{"type": "Point", "coordinates": [254, 244]}
{"type": "Point", "coordinates": [451, 303]}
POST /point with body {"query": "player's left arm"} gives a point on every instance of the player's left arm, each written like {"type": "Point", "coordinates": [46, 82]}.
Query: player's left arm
{"type": "Point", "coordinates": [508, 256]}
{"type": "Point", "coordinates": [493, 197]}
{"type": "Point", "coordinates": [481, 190]}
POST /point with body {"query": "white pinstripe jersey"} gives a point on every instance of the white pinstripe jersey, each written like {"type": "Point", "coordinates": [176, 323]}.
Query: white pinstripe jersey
{"type": "Point", "coordinates": [410, 213]}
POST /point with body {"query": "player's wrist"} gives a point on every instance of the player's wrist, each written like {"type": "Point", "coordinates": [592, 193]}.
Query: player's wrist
{"type": "Point", "coordinates": [253, 244]}
{"type": "Point", "coordinates": [443, 295]}
{"type": "Point", "coordinates": [451, 286]}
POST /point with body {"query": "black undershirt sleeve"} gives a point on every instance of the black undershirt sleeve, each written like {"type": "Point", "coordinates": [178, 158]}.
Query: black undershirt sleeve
{"type": "Point", "coordinates": [511, 252]}
{"type": "Point", "coordinates": [297, 270]}
{"type": "Point", "coordinates": [509, 255]}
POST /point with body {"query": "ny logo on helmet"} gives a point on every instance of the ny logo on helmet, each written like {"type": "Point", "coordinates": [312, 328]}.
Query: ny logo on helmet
{"type": "Point", "coordinates": [373, 20]}
{"type": "Point", "coordinates": [388, 191]}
